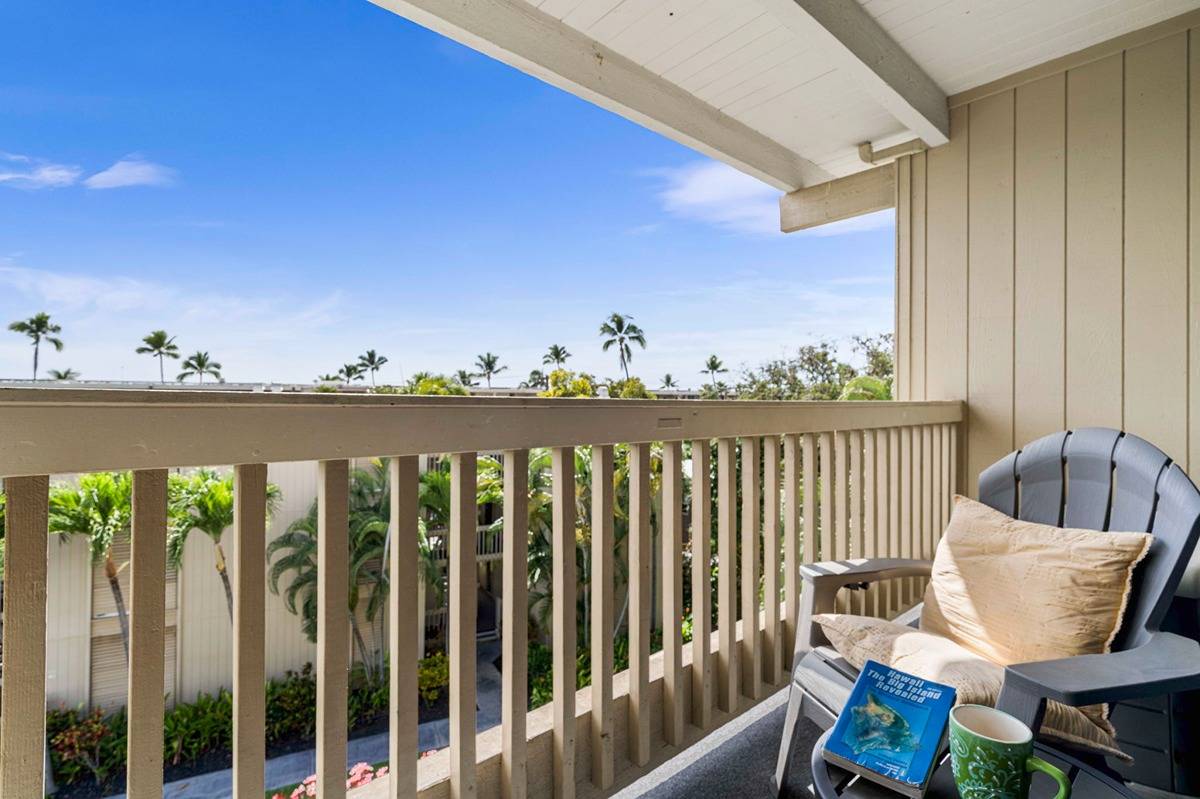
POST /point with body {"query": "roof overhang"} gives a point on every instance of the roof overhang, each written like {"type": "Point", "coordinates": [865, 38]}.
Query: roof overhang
{"type": "Point", "coordinates": [785, 90]}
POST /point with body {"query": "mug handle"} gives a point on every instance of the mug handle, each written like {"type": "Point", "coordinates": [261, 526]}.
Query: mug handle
{"type": "Point", "coordinates": [1037, 764]}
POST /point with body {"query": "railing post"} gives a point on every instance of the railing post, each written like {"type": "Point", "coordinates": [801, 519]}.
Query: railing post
{"type": "Point", "coordinates": [727, 655]}
{"type": "Point", "coordinates": [841, 508]}
{"type": "Point", "coordinates": [640, 600]}
{"type": "Point", "coordinates": [249, 630]}
{"type": "Point", "coordinates": [701, 584]}
{"type": "Point", "coordinates": [751, 634]}
{"type": "Point", "coordinates": [23, 701]}
{"type": "Point", "coordinates": [463, 612]}
{"type": "Point", "coordinates": [895, 533]}
{"type": "Point", "coordinates": [791, 544]}
{"type": "Point", "coordinates": [514, 643]}
{"type": "Point", "coordinates": [870, 515]}
{"type": "Point", "coordinates": [333, 625]}
{"type": "Point", "coordinates": [771, 631]}
{"type": "Point", "coordinates": [602, 616]}
{"type": "Point", "coordinates": [671, 536]}
{"type": "Point", "coordinates": [855, 491]}
{"type": "Point", "coordinates": [406, 619]}
{"type": "Point", "coordinates": [148, 564]}
{"type": "Point", "coordinates": [564, 626]}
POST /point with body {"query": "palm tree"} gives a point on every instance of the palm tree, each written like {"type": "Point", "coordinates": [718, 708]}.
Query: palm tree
{"type": "Point", "coordinates": [197, 365]}
{"type": "Point", "coordinates": [38, 328]}
{"type": "Point", "coordinates": [537, 379]}
{"type": "Point", "coordinates": [465, 379]}
{"type": "Point", "coordinates": [668, 381]}
{"type": "Point", "coordinates": [98, 508]}
{"type": "Point", "coordinates": [350, 372]}
{"type": "Point", "coordinates": [159, 345]}
{"type": "Point", "coordinates": [64, 374]}
{"type": "Point", "coordinates": [371, 362]}
{"type": "Point", "coordinates": [556, 356]}
{"type": "Point", "coordinates": [714, 367]}
{"type": "Point", "coordinates": [204, 502]}
{"type": "Point", "coordinates": [620, 332]}
{"type": "Point", "coordinates": [488, 365]}
{"type": "Point", "coordinates": [328, 378]}
{"type": "Point", "coordinates": [369, 517]}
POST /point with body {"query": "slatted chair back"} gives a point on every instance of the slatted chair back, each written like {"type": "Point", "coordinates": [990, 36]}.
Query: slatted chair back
{"type": "Point", "coordinates": [1101, 479]}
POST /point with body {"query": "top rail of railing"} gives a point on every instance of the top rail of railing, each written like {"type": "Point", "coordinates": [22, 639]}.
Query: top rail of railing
{"type": "Point", "coordinates": [56, 431]}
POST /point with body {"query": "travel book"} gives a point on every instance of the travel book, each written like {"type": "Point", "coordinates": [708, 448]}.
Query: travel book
{"type": "Point", "coordinates": [892, 729]}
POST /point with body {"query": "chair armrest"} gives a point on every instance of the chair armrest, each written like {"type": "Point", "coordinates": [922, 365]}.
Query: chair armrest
{"type": "Point", "coordinates": [824, 580]}
{"type": "Point", "coordinates": [838, 573]}
{"type": "Point", "coordinates": [1167, 663]}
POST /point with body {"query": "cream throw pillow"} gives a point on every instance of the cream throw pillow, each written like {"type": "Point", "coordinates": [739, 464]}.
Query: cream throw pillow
{"type": "Point", "coordinates": [1015, 591]}
{"type": "Point", "coordinates": [976, 680]}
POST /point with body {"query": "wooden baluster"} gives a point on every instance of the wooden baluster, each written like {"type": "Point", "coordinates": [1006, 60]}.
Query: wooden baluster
{"type": "Point", "coordinates": [927, 460]}
{"type": "Point", "coordinates": [147, 640]}
{"type": "Point", "coordinates": [333, 625]}
{"type": "Point", "coordinates": [907, 529]}
{"type": "Point", "coordinates": [870, 499]}
{"type": "Point", "coordinates": [461, 633]}
{"type": "Point", "coordinates": [249, 630]}
{"type": "Point", "coordinates": [514, 642]}
{"type": "Point", "coordinates": [841, 508]}
{"type": "Point", "coordinates": [23, 701]}
{"type": "Point", "coordinates": [602, 616]}
{"type": "Point", "coordinates": [883, 528]}
{"type": "Point", "coordinates": [811, 493]}
{"type": "Point", "coordinates": [702, 681]}
{"type": "Point", "coordinates": [672, 592]}
{"type": "Point", "coordinates": [947, 476]}
{"type": "Point", "coordinates": [791, 546]}
{"type": "Point", "coordinates": [937, 523]}
{"type": "Point", "coordinates": [751, 634]}
{"type": "Point", "coordinates": [641, 599]}
{"type": "Point", "coordinates": [406, 619]}
{"type": "Point", "coordinates": [727, 656]}
{"type": "Point", "coordinates": [771, 632]}
{"type": "Point", "coordinates": [826, 482]}
{"type": "Point", "coordinates": [858, 599]}
{"type": "Point", "coordinates": [954, 477]}
{"type": "Point", "coordinates": [895, 533]}
{"type": "Point", "coordinates": [563, 623]}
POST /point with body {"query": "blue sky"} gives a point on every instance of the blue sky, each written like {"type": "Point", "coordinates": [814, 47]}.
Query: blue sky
{"type": "Point", "coordinates": [285, 184]}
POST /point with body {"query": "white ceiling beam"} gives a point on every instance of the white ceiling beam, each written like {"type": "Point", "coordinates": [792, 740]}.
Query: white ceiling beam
{"type": "Point", "coordinates": [536, 43]}
{"type": "Point", "coordinates": [860, 46]}
{"type": "Point", "coordinates": [853, 195]}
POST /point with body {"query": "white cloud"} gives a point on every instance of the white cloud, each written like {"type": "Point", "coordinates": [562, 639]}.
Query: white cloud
{"type": "Point", "coordinates": [24, 172]}
{"type": "Point", "coordinates": [718, 194]}
{"type": "Point", "coordinates": [255, 335]}
{"type": "Point", "coordinates": [132, 170]}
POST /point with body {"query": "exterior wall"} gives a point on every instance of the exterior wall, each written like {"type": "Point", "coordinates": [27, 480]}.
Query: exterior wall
{"type": "Point", "coordinates": [1048, 257]}
{"type": "Point", "coordinates": [68, 621]}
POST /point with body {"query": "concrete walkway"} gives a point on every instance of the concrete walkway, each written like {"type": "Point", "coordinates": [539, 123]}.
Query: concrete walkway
{"type": "Point", "coordinates": [293, 768]}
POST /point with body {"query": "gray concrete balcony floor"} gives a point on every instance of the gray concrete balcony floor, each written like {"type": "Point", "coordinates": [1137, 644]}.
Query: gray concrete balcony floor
{"type": "Point", "coordinates": [735, 762]}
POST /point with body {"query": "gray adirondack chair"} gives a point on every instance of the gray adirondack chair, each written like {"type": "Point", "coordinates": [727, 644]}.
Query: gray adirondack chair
{"type": "Point", "coordinates": [1091, 478]}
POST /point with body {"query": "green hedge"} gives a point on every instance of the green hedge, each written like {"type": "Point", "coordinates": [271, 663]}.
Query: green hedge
{"type": "Point", "coordinates": [91, 745]}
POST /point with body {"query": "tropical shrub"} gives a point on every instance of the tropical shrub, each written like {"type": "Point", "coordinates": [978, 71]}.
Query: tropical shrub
{"type": "Point", "coordinates": [91, 745]}
{"type": "Point", "coordinates": [565, 383]}
{"type": "Point", "coordinates": [433, 676]}
{"type": "Point", "coordinates": [629, 388]}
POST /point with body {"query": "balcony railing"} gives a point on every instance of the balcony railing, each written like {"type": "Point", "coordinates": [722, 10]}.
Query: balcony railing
{"type": "Point", "coordinates": [837, 480]}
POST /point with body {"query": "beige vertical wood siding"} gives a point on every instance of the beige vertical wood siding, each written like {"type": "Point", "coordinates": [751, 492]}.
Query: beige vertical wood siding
{"type": "Point", "coordinates": [1048, 270]}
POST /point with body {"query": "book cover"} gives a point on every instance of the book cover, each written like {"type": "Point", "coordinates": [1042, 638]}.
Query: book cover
{"type": "Point", "coordinates": [892, 727]}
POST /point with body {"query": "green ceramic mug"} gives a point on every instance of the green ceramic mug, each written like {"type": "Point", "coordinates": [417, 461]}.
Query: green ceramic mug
{"type": "Point", "coordinates": [992, 755]}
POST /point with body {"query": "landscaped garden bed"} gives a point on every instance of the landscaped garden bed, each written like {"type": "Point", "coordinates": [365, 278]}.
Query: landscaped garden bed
{"type": "Point", "coordinates": [87, 750]}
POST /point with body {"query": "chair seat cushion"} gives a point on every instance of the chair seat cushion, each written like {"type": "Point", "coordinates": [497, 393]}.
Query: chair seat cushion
{"type": "Point", "coordinates": [975, 679]}
{"type": "Point", "coordinates": [1017, 592]}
